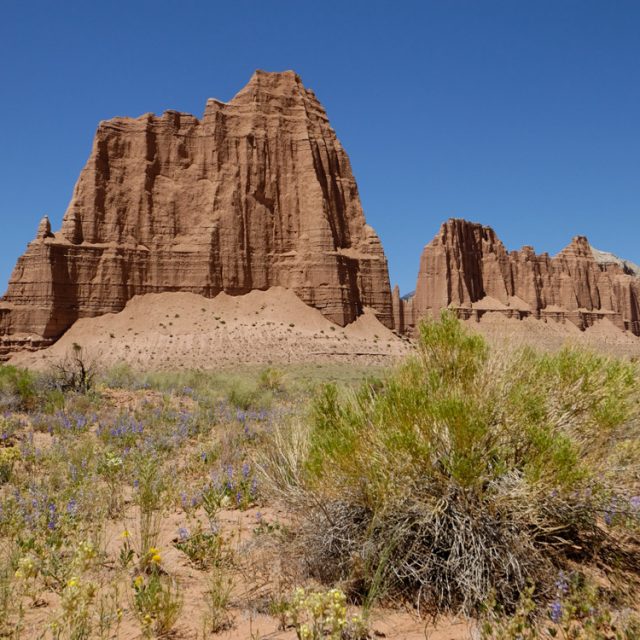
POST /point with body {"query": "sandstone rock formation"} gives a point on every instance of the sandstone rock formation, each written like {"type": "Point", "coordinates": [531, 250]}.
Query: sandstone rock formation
{"type": "Point", "coordinates": [605, 257]}
{"type": "Point", "coordinates": [403, 319]}
{"type": "Point", "coordinates": [44, 229]}
{"type": "Point", "coordinates": [466, 268]}
{"type": "Point", "coordinates": [258, 193]}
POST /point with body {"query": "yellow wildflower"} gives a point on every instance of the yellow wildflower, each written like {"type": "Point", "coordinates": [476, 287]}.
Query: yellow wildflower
{"type": "Point", "coordinates": [73, 582]}
{"type": "Point", "coordinates": [153, 555]}
{"type": "Point", "coordinates": [26, 568]}
{"type": "Point", "coordinates": [125, 534]}
{"type": "Point", "coordinates": [138, 582]}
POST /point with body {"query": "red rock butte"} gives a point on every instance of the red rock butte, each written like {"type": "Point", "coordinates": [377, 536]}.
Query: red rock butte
{"type": "Point", "coordinates": [467, 268]}
{"type": "Point", "coordinates": [256, 194]}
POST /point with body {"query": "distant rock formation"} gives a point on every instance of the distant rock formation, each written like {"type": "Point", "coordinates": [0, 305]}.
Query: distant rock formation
{"type": "Point", "coordinates": [258, 193]}
{"type": "Point", "coordinates": [604, 257]}
{"type": "Point", "coordinates": [467, 268]}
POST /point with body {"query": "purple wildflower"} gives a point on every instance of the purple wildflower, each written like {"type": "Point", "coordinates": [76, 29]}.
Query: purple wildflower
{"type": "Point", "coordinates": [555, 612]}
{"type": "Point", "coordinates": [561, 583]}
{"type": "Point", "coordinates": [183, 533]}
{"type": "Point", "coordinates": [53, 518]}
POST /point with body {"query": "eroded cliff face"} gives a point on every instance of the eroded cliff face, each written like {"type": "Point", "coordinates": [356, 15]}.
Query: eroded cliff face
{"type": "Point", "coordinates": [466, 268]}
{"type": "Point", "coordinates": [258, 193]}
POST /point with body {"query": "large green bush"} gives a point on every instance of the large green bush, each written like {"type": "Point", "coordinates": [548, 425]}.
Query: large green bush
{"type": "Point", "coordinates": [466, 474]}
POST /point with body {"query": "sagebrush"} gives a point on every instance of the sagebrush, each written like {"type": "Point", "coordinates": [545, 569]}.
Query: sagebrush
{"type": "Point", "coordinates": [465, 474]}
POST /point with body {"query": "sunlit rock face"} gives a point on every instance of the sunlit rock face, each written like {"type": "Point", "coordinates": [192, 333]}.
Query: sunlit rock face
{"type": "Point", "coordinates": [467, 268]}
{"type": "Point", "coordinates": [257, 193]}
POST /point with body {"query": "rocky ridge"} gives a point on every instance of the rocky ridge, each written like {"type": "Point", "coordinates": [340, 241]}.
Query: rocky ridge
{"type": "Point", "coordinates": [256, 194]}
{"type": "Point", "coordinates": [468, 269]}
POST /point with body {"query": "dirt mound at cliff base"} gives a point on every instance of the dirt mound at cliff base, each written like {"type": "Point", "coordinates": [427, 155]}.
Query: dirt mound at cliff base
{"type": "Point", "coordinates": [603, 336]}
{"type": "Point", "coordinates": [184, 330]}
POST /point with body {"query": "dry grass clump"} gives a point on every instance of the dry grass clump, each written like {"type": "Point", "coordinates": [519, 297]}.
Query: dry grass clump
{"type": "Point", "coordinates": [466, 475]}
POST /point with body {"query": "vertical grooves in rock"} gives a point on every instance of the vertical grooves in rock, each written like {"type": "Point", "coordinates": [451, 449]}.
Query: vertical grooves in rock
{"type": "Point", "coordinates": [468, 269]}
{"type": "Point", "coordinates": [249, 197]}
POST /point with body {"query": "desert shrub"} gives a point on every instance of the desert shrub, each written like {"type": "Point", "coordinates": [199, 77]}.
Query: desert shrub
{"type": "Point", "coordinates": [76, 371]}
{"type": "Point", "coordinates": [242, 396]}
{"type": "Point", "coordinates": [150, 487]}
{"type": "Point", "coordinates": [465, 473]}
{"type": "Point", "coordinates": [52, 399]}
{"type": "Point", "coordinates": [216, 617]}
{"type": "Point", "coordinates": [272, 379]}
{"type": "Point", "coordinates": [207, 388]}
{"type": "Point", "coordinates": [173, 381]}
{"type": "Point", "coordinates": [17, 388]}
{"type": "Point", "coordinates": [8, 457]}
{"type": "Point", "coordinates": [6, 592]}
{"type": "Point", "coordinates": [202, 547]}
{"type": "Point", "coordinates": [323, 614]}
{"type": "Point", "coordinates": [246, 394]}
{"type": "Point", "coordinates": [157, 602]}
{"type": "Point", "coordinates": [121, 376]}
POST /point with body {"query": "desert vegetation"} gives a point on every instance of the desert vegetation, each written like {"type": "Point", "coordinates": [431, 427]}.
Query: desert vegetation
{"type": "Point", "coordinates": [495, 489]}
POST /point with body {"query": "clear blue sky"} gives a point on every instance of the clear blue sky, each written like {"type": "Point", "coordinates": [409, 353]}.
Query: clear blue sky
{"type": "Point", "coordinates": [521, 114]}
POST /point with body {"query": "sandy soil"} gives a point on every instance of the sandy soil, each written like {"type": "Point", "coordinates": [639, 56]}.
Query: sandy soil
{"type": "Point", "coordinates": [258, 578]}
{"type": "Point", "coordinates": [184, 330]}
{"type": "Point", "coordinates": [602, 337]}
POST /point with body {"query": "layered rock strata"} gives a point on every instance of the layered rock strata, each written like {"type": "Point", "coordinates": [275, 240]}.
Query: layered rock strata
{"type": "Point", "coordinates": [467, 268]}
{"type": "Point", "coordinates": [258, 193]}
